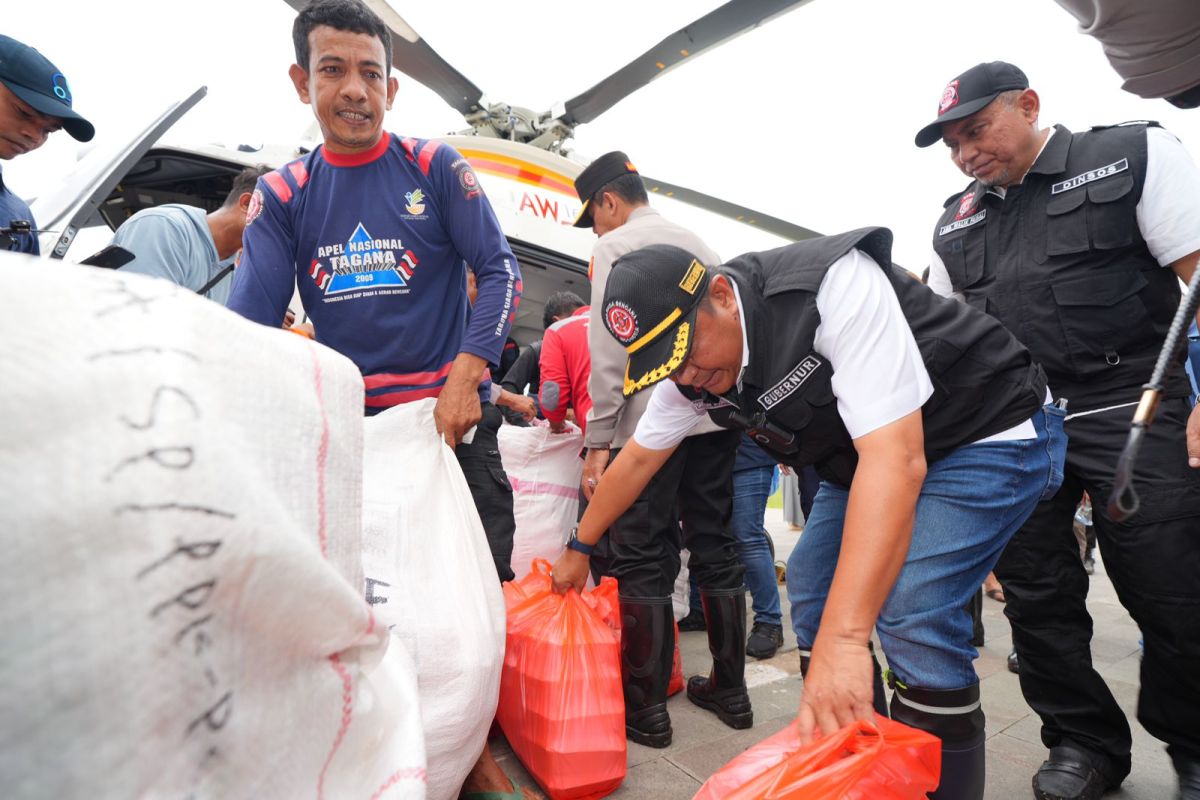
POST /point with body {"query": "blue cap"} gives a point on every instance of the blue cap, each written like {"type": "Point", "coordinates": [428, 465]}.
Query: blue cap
{"type": "Point", "coordinates": [30, 76]}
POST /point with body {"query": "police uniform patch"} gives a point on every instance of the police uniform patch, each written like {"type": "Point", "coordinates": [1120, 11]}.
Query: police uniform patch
{"type": "Point", "coordinates": [710, 402]}
{"type": "Point", "coordinates": [790, 383]}
{"type": "Point", "coordinates": [622, 322]}
{"type": "Point", "coordinates": [692, 279]}
{"type": "Point", "coordinates": [1089, 176]}
{"type": "Point", "coordinates": [966, 205]}
{"type": "Point", "coordinates": [963, 223]}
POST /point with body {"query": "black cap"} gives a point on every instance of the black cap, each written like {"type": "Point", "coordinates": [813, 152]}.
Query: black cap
{"type": "Point", "coordinates": [650, 305]}
{"type": "Point", "coordinates": [30, 76]}
{"type": "Point", "coordinates": [970, 92]}
{"type": "Point", "coordinates": [601, 172]}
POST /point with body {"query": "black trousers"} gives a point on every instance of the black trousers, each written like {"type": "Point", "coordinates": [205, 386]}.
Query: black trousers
{"type": "Point", "coordinates": [493, 495]}
{"type": "Point", "coordinates": [695, 488]}
{"type": "Point", "coordinates": [1153, 560]}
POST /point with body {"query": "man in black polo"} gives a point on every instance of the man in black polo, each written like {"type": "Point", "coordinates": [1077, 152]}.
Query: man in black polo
{"type": "Point", "coordinates": [1077, 242]}
{"type": "Point", "coordinates": [925, 419]}
{"type": "Point", "coordinates": [35, 101]}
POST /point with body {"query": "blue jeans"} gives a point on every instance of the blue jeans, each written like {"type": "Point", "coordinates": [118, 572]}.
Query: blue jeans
{"type": "Point", "coordinates": [751, 488]}
{"type": "Point", "coordinates": [970, 505]}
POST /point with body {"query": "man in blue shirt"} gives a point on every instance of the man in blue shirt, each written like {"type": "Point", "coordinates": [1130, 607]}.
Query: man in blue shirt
{"type": "Point", "coordinates": [184, 245]}
{"type": "Point", "coordinates": [375, 229]}
{"type": "Point", "coordinates": [35, 101]}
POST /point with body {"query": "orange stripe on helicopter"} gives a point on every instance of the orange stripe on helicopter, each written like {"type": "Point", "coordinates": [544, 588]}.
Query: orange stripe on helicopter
{"type": "Point", "coordinates": [520, 170]}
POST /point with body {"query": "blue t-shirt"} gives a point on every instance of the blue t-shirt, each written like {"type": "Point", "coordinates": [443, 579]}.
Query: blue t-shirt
{"type": "Point", "coordinates": [377, 243]}
{"type": "Point", "coordinates": [174, 242]}
{"type": "Point", "coordinates": [14, 209]}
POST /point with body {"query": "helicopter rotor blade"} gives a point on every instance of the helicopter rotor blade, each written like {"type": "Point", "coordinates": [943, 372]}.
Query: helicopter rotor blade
{"type": "Point", "coordinates": [748, 216]}
{"type": "Point", "coordinates": [715, 28]}
{"type": "Point", "coordinates": [413, 56]}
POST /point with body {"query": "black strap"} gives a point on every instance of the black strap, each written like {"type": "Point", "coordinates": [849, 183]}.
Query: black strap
{"type": "Point", "coordinates": [216, 279]}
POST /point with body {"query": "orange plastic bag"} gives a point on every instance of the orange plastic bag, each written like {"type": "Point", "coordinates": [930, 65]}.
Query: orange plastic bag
{"type": "Point", "coordinates": [884, 760]}
{"type": "Point", "coordinates": [676, 684]}
{"type": "Point", "coordinates": [561, 705]}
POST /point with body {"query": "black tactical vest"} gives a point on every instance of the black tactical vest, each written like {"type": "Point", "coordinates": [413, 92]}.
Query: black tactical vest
{"type": "Point", "coordinates": [1060, 261]}
{"type": "Point", "coordinates": [984, 381]}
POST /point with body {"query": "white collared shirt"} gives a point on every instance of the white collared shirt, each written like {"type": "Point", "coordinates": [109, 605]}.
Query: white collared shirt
{"type": "Point", "coordinates": [878, 373]}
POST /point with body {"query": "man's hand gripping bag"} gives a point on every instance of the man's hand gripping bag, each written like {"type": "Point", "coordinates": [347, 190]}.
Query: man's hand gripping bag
{"type": "Point", "coordinates": [561, 703]}
{"type": "Point", "coordinates": [880, 760]}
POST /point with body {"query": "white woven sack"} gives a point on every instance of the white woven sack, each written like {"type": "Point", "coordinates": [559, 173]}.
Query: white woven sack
{"type": "Point", "coordinates": [431, 577]}
{"type": "Point", "coordinates": [544, 469]}
{"type": "Point", "coordinates": [681, 598]}
{"type": "Point", "coordinates": [180, 598]}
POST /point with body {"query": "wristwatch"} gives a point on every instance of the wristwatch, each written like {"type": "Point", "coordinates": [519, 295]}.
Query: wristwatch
{"type": "Point", "coordinates": [573, 543]}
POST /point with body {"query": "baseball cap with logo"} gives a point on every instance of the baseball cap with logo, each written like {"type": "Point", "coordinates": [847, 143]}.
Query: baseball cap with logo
{"type": "Point", "coordinates": [598, 174]}
{"type": "Point", "coordinates": [970, 92]}
{"type": "Point", "coordinates": [30, 76]}
{"type": "Point", "coordinates": [650, 304]}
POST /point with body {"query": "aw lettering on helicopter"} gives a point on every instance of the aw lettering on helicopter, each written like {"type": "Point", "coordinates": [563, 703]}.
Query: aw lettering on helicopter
{"type": "Point", "coordinates": [546, 208]}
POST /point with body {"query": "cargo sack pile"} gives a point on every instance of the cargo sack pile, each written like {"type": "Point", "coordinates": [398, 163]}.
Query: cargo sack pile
{"type": "Point", "coordinates": [181, 603]}
{"type": "Point", "coordinates": [561, 703]}
{"type": "Point", "coordinates": [431, 580]}
{"type": "Point", "coordinates": [544, 469]}
{"type": "Point", "coordinates": [880, 760]}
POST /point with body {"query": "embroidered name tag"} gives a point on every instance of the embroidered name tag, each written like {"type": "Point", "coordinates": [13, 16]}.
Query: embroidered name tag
{"type": "Point", "coordinates": [1089, 176]}
{"type": "Point", "coordinates": [974, 219]}
{"type": "Point", "coordinates": [709, 402]}
{"type": "Point", "coordinates": [790, 383]}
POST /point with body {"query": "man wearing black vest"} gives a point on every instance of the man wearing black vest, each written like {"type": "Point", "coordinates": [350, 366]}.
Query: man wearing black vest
{"type": "Point", "coordinates": [925, 419]}
{"type": "Point", "coordinates": [1076, 242]}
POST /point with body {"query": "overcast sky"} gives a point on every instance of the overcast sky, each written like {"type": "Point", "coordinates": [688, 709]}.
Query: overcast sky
{"type": "Point", "coordinates": [810, 118]}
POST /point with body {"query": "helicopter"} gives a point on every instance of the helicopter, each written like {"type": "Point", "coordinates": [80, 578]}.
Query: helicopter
{"type": "Point", "coordinates": [523, 159]}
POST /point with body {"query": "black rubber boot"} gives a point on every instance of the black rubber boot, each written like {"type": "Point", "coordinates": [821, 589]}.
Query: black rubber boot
{"type": "Point", "coordinates": [955, 717]}
{"type": "Point", "coordinates": [1188, 769]}
{"type": "Point", "coordinates": [647, 650]}
{"type": "Point", "coordinates": [724, 690]}
{"type": "Point", "coordinates": [879, 701]}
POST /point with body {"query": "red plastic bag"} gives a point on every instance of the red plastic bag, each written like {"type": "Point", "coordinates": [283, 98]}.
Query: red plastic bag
{"type": "Point", "coordinates": [561, 705]}
{"type": "Point", "coordinates": [884, 760]}
{"type": "Point", "coordinates": [676, 684]}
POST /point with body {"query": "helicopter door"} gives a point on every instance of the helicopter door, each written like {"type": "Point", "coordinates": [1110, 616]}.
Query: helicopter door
{"type": "Point", "coordinates": [75, 203]}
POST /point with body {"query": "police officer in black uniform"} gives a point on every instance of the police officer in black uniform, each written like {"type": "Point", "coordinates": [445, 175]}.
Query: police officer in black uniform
{"type": "Point", "coordinates": [915, 410]}
{"type": "Point", "coordinates": [1076, 242]}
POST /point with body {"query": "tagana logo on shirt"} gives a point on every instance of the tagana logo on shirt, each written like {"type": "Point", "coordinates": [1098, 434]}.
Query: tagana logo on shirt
{"type": "Point", "coordinates": [363, 262]}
